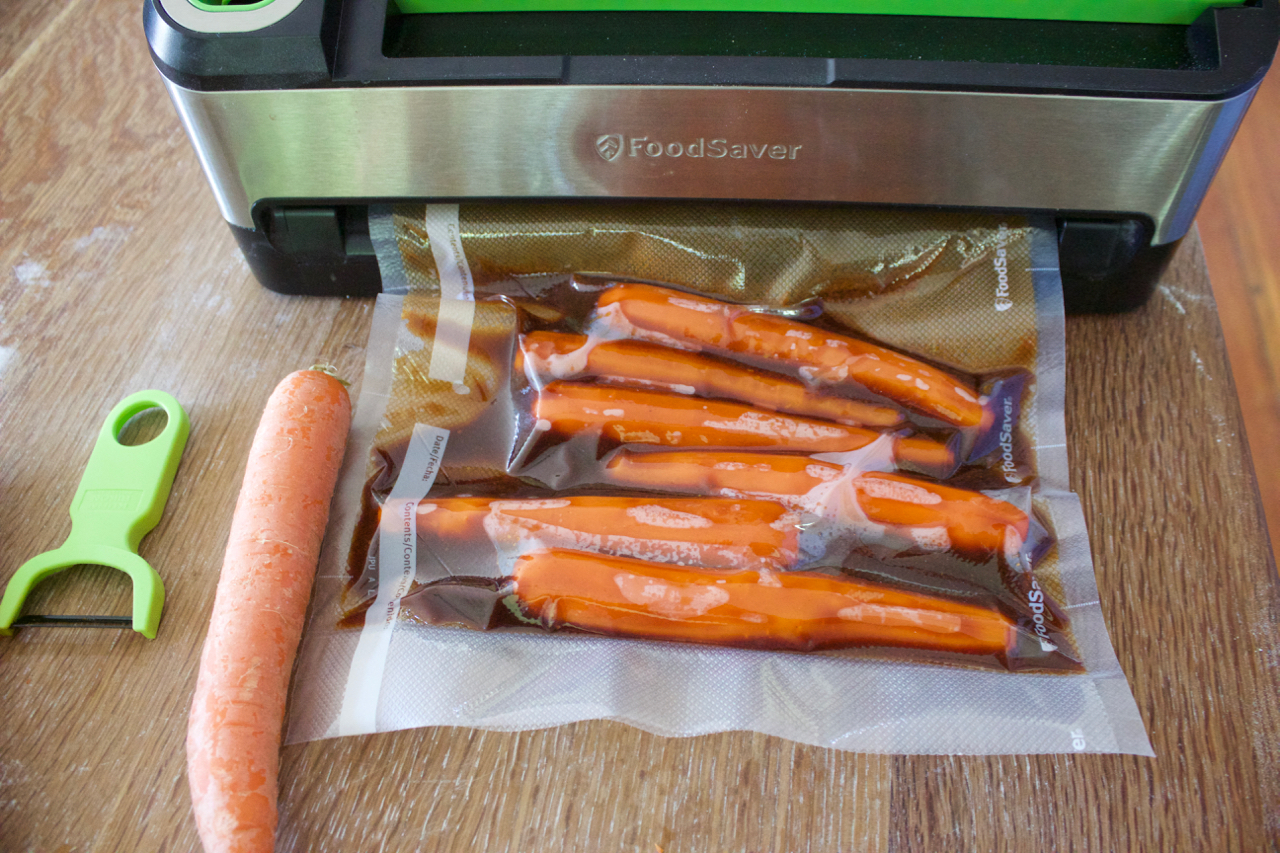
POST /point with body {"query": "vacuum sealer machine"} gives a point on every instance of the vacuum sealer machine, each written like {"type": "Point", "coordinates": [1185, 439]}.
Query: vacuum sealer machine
{"type": "Point", "coordinates": [1110, 115]}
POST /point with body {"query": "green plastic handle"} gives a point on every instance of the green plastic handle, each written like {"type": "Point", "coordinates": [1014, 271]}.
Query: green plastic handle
{"type": "Point", "coordinates": [120, 498]}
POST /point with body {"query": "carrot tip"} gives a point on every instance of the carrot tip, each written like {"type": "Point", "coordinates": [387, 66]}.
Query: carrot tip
{"type": "Point", "coordinates": [330, 370]}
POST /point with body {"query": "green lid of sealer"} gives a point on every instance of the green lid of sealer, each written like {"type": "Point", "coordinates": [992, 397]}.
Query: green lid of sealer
{"type": "Point", "coordinates": [1115, 11]}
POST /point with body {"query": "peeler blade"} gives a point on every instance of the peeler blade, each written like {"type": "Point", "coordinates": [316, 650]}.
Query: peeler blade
{"type": "Point", "coordinates": [74, 622]}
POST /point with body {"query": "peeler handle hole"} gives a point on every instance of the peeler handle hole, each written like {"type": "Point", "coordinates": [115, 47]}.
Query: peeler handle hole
{"type": "Point", "coordinates": [142, 427]}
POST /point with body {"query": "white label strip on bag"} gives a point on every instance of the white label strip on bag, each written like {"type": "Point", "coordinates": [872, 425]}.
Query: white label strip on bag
{"type": "Point", "coordinates": [397, 568]}
{"type": "Point", "coordinates": [457, 294]}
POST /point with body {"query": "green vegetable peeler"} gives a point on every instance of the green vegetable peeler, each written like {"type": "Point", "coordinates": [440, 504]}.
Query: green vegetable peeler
{"type": "Point", "coordinates": [120, 499]}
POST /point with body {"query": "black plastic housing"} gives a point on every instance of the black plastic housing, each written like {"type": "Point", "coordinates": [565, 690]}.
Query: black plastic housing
{"type": "Point", "coordinates": [1108, 266]}
{"type": "Point", "coordinates": [350, 43]}
{"type": "Point", "coordinates": [320, 246]}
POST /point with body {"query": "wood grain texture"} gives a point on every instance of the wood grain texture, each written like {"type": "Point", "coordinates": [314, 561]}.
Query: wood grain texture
{"type": "Point", "coordinates": [1159, 462]}
{"type": "Point", "coordinates": [588, 786]}
{"type": "Point", "coordinates": [26, 24]}
{"type": "Point", "coordinates": [1240, 222]}
{"type": "Point", "coordinates": [117, 274]}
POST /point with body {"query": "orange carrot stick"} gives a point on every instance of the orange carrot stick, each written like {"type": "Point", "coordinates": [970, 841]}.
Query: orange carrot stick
{"type": "Point", "coordinates": [556, 355]}
{"type": "Point", "coordinates": [790, 479]}
{"type": "Point", "coordinates": [694, 322]}
{"type": "Point", "coordinates": [794, 611]}
{"type": "Point", "coordinates": [718, 532]}
{"type": "Point", "coordinates": [974, 523]}
{"type": "Point", "coordinates": [968, 522]}
{"type": "Point", "coordinates": [233, 734]}
{"type": "Point", "coordinates": [648, 417]}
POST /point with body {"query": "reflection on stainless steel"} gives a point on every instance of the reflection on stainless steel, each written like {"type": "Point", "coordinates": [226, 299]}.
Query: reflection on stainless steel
{"type": "Point", "coordinates": [961, 149]}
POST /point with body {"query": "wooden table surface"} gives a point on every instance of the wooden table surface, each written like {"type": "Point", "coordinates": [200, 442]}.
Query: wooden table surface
{"type": "Point", "coordinates": [116, 274]}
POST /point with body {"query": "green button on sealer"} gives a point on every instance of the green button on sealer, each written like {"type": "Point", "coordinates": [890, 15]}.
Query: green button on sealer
{"type": "Point", "coordinates": [121, 497]}
{"type": "Point", "coordinates": [229, 5]}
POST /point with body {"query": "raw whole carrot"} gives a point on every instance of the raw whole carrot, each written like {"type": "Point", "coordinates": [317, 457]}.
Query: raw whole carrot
{"type": "Point", "coordinates": [233, 734]}
{"type": "Point", "coordinates": [557, 355]}
{"type": "Point", "coordinates": [944, 517]}
{"type": "Point", "coordinates": [632, 416]}
{"type": "Point", "coordinates": [718, 532]}
{"type": "Point", "coordinates": [794, 611]}
{"type": "Point", "coordinates": [699, 323]}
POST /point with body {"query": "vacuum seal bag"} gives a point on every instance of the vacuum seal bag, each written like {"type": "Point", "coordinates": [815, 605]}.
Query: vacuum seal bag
{"type": "Point", "coordinates": [708, 468]}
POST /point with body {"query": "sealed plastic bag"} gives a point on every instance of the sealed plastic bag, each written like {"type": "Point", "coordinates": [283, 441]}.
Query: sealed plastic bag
{"type": "Point", "coordinates": [741, 451]}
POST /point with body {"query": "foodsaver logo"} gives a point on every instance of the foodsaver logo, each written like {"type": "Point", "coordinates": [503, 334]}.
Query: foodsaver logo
{"type": "Point", "coordinates": [609, 146]}
{"type": "Point", "coordinates": [1035, 599]}
{"type": "Point", "coordinates": [1001, 264]}
{"type": "Point", "coordinates": [613, 147]}
{"type": "Point", "coordinates": [1008, 467]}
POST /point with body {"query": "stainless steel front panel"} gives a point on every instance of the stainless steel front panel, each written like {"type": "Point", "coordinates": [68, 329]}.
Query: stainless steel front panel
{"type": "Point", "coordinates": [961, 149]}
